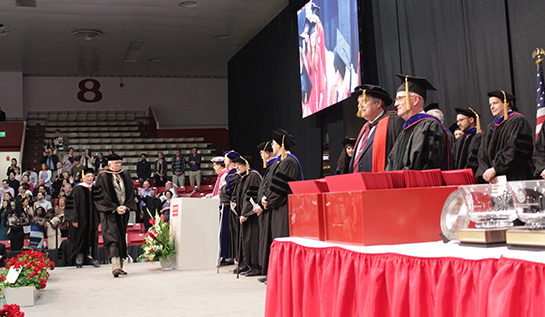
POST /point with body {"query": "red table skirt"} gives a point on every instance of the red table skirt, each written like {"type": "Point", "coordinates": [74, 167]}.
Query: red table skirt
{"type": "Point", "coordinates": [332, 281]}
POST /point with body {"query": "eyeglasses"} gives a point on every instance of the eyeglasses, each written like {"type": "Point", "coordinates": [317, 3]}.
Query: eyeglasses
{"type": "Point", "coordinates": [461, 120]}
{"type": "Point", "coordinates": [400, 98]}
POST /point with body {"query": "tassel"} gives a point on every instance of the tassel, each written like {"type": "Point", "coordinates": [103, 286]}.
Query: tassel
{"type": "Point", "coordinates": [284, 155]}
{"type": "Point", "coordinates": [504, 106]}
{"type": "Point", "coordinates": [478, 121]}
{"type": "Point", "coordinates": [247, 166]}
{"type": "Point", "coordinates": [364, 102]}
{"type": "Point", "coordinates": [407, 93]}
{"type": "Point", "coordinates": [82, 175]}
{"type": "Point", "coordinates": [263, 158]}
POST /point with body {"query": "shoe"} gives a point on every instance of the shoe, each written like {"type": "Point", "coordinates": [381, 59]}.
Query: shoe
{"type": "Point", "coordinates": [79, 265]}
{"type": "Point", "coordinates": [124, 272]}
{"type": "Point", "coordinates": [93, 262]}
{"type": "Point", "coordinates": [263, 280]}
{"type": "Point", "coordinates": [237, 270]}
{"type": "Point", "coordinates": [254, 272]}
{"type": "Point", "coordinates": [117, 272]}
{"type": "Point", "coordinates": [79, 260]}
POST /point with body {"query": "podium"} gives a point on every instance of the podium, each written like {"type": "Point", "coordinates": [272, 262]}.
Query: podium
{"type": "Point", "coordinates": [194, 224]}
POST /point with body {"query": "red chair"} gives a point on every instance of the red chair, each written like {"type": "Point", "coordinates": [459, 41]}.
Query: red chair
{"type": "Point", "coordinates": [161, 190]}
{"type": "Point", "coordinates": [136, 238]}
{"type": "Point", "coordinates": [100, 241]}
{"type": "Point", "coordinates": [7, 244]}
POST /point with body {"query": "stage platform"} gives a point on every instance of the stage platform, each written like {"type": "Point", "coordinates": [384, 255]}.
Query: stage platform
{"type": "Point", "coordinates": [148, 291]}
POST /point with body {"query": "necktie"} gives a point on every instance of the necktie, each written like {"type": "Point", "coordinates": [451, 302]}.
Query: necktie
{"type": "Point", "coordinates": [361, 146]}
{"type": "Point", "coordinates": [117, 180]}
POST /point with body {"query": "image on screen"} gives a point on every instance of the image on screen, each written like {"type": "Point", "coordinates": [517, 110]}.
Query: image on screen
{"type": "Point", "coordinates": [329, 56]}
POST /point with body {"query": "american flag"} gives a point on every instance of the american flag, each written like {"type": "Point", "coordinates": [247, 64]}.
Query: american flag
{"type": "Point", "coordinates": [539, 99]}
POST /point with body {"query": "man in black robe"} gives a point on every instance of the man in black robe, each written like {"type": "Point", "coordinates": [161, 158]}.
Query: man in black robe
{"type": "Point", "coordinates": [83, 218]}
{"type": "Point", "coordinates": [423, 144]}
{"type": "Point", "coordinates": [229, 220]}
{"type": "Point", "coordinates": [245, 190]}
{"type": "Point", "coordinates": [286, 170]}
{"type": "Point", "coordinates": [114, 201]}
{"type": "Point", "coordinates": [466, 148]}
{"type": "Point", "coordinates": [378, 134]}
{"type": "Point", "coordinates": [264, 216]}
{"type": "Point", "coordinates": [507, 144]}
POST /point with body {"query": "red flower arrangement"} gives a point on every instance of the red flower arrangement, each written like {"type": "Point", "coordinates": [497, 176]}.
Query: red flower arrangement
{"type": "Point", "coordinates": [34, 267]}
{"type": "Point", "coordinates": [12, 310]}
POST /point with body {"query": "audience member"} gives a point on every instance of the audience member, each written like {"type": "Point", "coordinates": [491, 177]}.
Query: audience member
{"type": "Point", "coordinates": [100, 163]}
{"type": "Point", "coordinates": [42, 202]}
{"type": "Point", "coordinates": [16, 220]}
{"type": "Point", "coordinates": [56, 180]}
{"type": "Point", "coordinates": [32, 176]}
{"type": "Point", "coordinates": [4, 211]}
{"type": "Point", "coordinates": [194, 162]}
{"type": "Point", "coordinates": [59, 213]}
{"type": "Point", "coordinates": [178, 169]}
{"type": "Point", "coordinates": [13, 183]}
{"type": "Point", "coordinates": [87, 159]}
{"type": "Point", "coordinates": [18, 175]}
{"type": "Point", "coordinates": [153, 206]}
{"type": "Point", "coordinates": [68, 160]}
{"type": "Point", "coordinates": [143, 169]}
{"type": "Point", "coordinates": [169, 187]}
{"type": "Point", "coordinates": [25, 180]}
{"type": "Point", "coordinates": [49, 159]}
{"type": "Point", "coordinates": [166, 206]}
{"type": "Point", "coordinates": [27, 206]}
{"type": "Point", "coordinates": [50, 145]}
{"type": "Point", "coordinates": [160, 170]}
{"type": "Point", "coordinates": [66, 190]}
{"type": "Point", "coordinates": [343, 164]}
{"type": "Point", "coordinates": [61, 143]}
{"type": "Point", "coordinates": [11, 168]}
{"type": "Point", "coordinates": [37, 229]}
{"type": "Point", "coordinates": [77, 168]}
{"type": "Point", "coordinates": [6, 189]}
{"type": "Point", "coordinates": [45, 174]}
{"type": "Point", "coordinates": [52, 225]}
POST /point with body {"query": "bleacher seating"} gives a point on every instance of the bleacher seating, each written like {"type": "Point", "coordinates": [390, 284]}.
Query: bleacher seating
{"type": "Point", "coordinates": [125, 132]}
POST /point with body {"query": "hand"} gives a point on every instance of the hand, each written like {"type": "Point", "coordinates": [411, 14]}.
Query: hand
{"type": "Point", "coordinates": [543, 174]}
{"type": "Point", "coordinates": [265, 203]}
{"type": "Point", "coordinates": [489, 174]}
{"type": "Point", "coordinates": [258, 210]}
{"type": "Point", "coordinates": [243, 219]}
{"type": "Point", "coordinates": [494, 180]}
{"type": "Point", "coordinates": [121, 210]}
{"type": "Point", "coordinates": [75, 224]}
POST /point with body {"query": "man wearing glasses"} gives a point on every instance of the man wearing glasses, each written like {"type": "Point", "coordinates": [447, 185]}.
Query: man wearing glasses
{"type": "Point", "coordinates": [466, 148]}
{"type": "Point", "coordinates": [423, 143]}
{"type": "Point", "coordinates": [114, 200]}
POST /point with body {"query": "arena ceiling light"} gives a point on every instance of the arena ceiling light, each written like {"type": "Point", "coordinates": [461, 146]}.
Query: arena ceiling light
{"type": "Point", "coordinates": [188, 4]}
{"type": "Point", "coordinates": [87, 34]}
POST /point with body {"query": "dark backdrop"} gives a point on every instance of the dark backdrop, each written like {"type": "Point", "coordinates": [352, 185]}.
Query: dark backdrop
{"type": "Point", "coordinates": [464, 47]}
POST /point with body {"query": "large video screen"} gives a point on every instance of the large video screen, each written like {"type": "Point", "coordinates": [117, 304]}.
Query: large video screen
{"type": "Point", "coordinates": [329, 53]}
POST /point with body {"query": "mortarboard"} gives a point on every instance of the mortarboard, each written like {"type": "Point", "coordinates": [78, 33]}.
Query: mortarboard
{"type": "Point", "coordinates": [349, 141]}
{"type": "Point", "coordinates": [113, 157]}
{"type": "Point", "coordinates": [418, 85]}
{"type": "Point", "coordinates": [284, 139]}
{"type": "Point", "coordinates": [375, 91]}
{"type": "Point", "coordinates": [504, 97]}
{"type": "Point", "coordinates": [231, 154]}
{"type": "Point", "coordinates": [218, 159]}
{"type": "Point", "coordinates": [433, 105]}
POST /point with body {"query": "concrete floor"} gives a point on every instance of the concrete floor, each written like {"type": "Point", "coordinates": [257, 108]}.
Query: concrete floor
{"type": "Point", "coordinates": [148, 291]}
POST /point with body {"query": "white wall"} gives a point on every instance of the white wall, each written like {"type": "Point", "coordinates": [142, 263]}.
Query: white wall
{"type": "Point", "coordinates": [178, 102]}
{"type": "Point", "coordinates": [11, 94]}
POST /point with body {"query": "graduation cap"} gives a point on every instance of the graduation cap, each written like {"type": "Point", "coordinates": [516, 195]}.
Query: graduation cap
{"type": "Point", "coordinates": [342, 54]}
{"type": "Point", "coordinates": [231, 154]}
{"type": "Point", "coordinates": [505, 97]}
{"type": "Point", "coordinates": [242, 160]}
{"type": "Point", "coordinates": [86, 171]}
{"type": "Point", "coordinates": [431, 106]}
{"type": "Point", "coordinates": [265, 146]}
{"type": "Point", "coordinates": [284, 139]}
{"type": "Point", "coordinates": [349, 141]}
{"type": "Point", "coordinates": [470, 113]}
{"type": "Point", "coordinates": [114, 157]}
{"type": "Point", "coordinates": [454, 127]}
{"type": "Point", "coordinates": [373, 90]}
{"type": "Point", "coordinates": [418, 85]}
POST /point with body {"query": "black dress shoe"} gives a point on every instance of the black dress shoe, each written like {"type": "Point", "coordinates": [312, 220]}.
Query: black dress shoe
{"type": "Point", "coordinates": [123, 272]}
{"type": "Point", "coordinates": [254, 272]}
{"type": "Point", "coordinates": [116, 272]}
{"type": "Point", "coordinates": [240, 270]}
{"type": "Point", "coordinates": [79, 265]}
{"type": "Point", "coordinates": [263, 279]}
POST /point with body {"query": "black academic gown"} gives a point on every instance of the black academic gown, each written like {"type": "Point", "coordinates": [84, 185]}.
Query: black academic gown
{"type": "Point", "coordinates": [466, 151]}
{"type": "Point", "coordinates": [81, 208]}
{"type": "Point", "coordinates": [421, 146]}
{"type": "Point", "coordinates": [114, 225]}
{"type": "Point", "coordinates": [364, 162]}
{"type": "Point", "coordinates": [539, 153]}
{"type": "Point", "coordinates": [286, 171]}
{"type": "Point", "coordinates": [265, 236]}
{"type": "Point", "coordinates": [226, 193]}
{"type": "Point", "coordinates": [508, 147]}
{"type": "Point", "coordinates": [247, 188]}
